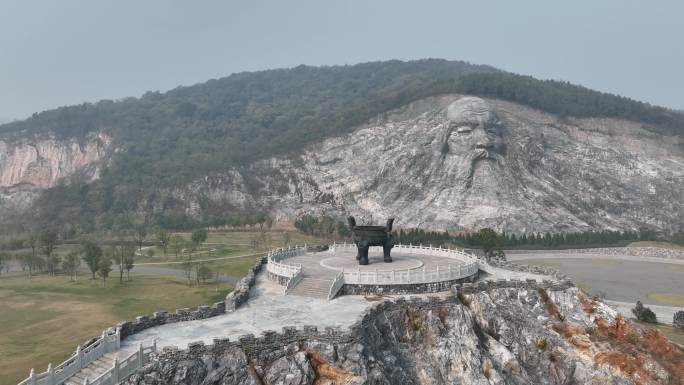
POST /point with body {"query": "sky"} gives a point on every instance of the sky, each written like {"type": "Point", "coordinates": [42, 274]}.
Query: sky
{"type": "Point", "coordinates": [55, 53]}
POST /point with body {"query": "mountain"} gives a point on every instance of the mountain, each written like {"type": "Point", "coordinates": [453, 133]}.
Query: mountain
{"type": "Point", "coordinates": [374, 139]}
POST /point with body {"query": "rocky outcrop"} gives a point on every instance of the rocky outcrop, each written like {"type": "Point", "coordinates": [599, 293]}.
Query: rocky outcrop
{"type": "Point", "coordinates": [31, 164]}
{"type": "Point", "coordinates": [506, 335]}
{"type": "Point", "coordinates": [42, 162]}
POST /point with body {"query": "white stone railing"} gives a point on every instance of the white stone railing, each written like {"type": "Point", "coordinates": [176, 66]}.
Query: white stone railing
{"type": "Point", "coordinates": [336, 285]}
{"type": "Point", "coordinates": [468, 266]}
{"type": "Point", "coordinates": [123, 369]}
{"type": "Point", "coordinates": [292, 282]}
{"type": "Point", "coordinates": [106, 343]}
{"type": "Point", "coordinates": [274, 266]}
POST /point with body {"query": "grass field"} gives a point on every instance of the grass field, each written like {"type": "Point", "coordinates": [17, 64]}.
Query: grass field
{"type": "Point", "coordinates": [43, 319]}
{"type": "Point", "coordinates": [676, 299]}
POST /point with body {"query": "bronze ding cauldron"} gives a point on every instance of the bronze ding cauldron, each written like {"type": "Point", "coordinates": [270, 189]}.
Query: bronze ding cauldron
{"type": "Point", "coordinates": [366, 236]}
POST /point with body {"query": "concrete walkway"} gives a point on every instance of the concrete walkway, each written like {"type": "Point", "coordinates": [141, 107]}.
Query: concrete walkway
{"type": "Point", "coordinates": [267, 309]}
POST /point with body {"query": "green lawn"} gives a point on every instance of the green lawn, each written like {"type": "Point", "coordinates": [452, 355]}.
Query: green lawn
{"type": "Point", "coordinates": [43, 319]}
{"type": "Point", "coordinates": [676, 299]}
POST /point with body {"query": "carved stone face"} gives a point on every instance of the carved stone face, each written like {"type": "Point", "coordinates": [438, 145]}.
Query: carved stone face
{"type": "Point", "coordinates": [473, 130]}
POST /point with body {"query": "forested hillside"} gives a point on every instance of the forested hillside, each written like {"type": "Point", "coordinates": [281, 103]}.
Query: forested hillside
{"type": "Point", "coordinates": [170, 139]}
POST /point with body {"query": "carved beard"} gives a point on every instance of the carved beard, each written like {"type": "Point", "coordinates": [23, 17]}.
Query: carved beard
{"type": "Point", "coordinates": [471, 160]}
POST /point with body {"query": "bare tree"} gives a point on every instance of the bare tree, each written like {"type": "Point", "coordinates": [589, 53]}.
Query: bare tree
{"type": "Point", "coordinates": [4, 260]}
{"type": "Point", "coordinates": [140, 234]}
{"type": "Point", "coordinates": [124, 252]}
{"type": "Point", "coordinates": [104, 268]}
{"type": "Point", "coordinates": [129, 264]}
{"type": "Point", "coordinates": [177, 242]}
{"type": "Point", "coordinates": [163, 237]}
{"type": "Point", "coordinates": [48, 242]}
{"type": "Point", "coordinates": [71, 264]}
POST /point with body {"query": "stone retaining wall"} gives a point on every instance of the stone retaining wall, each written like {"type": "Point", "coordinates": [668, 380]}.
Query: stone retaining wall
{"type": "Point", "coordinates": [654, 252]}
{"type": "Point", "coordinates": [409, 288]}
{"type": "Point", "coordinates": [234, 299]}
{"type": "Point", "coordinates": [240, 295]}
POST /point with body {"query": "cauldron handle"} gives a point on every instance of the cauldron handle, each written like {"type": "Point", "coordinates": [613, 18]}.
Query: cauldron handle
{"type": "Point", "coordinates": [352, 222]}
{"type": "Point", "coordinates": [388, 227]}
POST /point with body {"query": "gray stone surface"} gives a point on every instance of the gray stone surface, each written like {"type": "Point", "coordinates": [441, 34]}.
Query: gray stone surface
{"type": "Point", "coordinates": [493, 339]}
{"type": "Point", "coordinates": [520, 170]}
{"type": "Point", "coordinates": [267, 309]}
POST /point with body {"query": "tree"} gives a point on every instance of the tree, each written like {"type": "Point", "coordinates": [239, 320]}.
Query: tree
{"type": "Point", "coordinates": [129, 263]}
{"type": "Point", "coordinates": [104, 268]}
{"type": "Point", "coordinates": [204, 273]}
{"type": "Point", "coordinates": [71, 263]}
{"type": "Point", "coordinates": [29, 261]}
{"type": "Point", "coordinates": [644, 314]}
{"type": "Point", "coordinates": [287, 239]}
{"type": "Point", "coordinates": [92, 253]}
{"type": "Point", "coordinates": [4, 260]}
{"type": "Point", "coordinates": [140, 234]}
{"type": "Point", "coordinates": [163, 237]}
{"type": "Point", "coordinates": [177, 242]}
{"type": "Point", "coordinates": [491, 243]}
{"type": "Point", "coordinates": [48, 242]}
{"type": "Point", "coordinates": [32, 241]}
{"type": "Point", "coordinates": [123, 252]}
{"type": "Point", "coordinates": [678, 320]}
{"type": "Point", "coordinates": [198, 237]}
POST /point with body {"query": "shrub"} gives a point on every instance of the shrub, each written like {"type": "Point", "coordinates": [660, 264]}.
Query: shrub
{"type": "Point", "coordinates": [678, 320]}
{"type": "Point", "coordinates": [464, 300]}
{"type": "Point", "coordinates": [541, 343]}
{"type": "Point", "coordinates": [644, 314]}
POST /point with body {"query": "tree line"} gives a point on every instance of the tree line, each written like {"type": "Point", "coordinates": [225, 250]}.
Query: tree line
{"type": "Point", "coordinates": [101, 258]}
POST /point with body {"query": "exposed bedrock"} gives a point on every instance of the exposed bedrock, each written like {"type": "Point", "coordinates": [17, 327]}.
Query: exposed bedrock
{"type": "Point", "coordinates": [28, 165]}
{"type": "Point", "coordinates": [497, 336]}
{"type": "Point", "coordinates": [464, 162]}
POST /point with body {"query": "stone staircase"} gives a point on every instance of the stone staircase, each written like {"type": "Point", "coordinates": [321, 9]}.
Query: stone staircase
{"type": "Point", "coordinates": [312, 287]}
{"type": "Point", "coordinates": [93, 370]}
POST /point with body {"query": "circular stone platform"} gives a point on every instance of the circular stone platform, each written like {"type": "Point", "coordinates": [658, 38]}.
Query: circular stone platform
{"type": "Point", "coordinates": [376, 262]}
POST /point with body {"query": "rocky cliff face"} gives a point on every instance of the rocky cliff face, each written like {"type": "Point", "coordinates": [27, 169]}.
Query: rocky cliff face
{"type": "Point", "coordinates": [499, 336]}
{"type": "Point", "coordinates": [30, 164]}
{"type": "Point", "coordinates": [455, 162]}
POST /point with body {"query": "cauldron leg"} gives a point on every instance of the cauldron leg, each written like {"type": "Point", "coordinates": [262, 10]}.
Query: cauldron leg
{"type": "Point", "coordinates": [363, 255]}
{"type": "Point", "coordinates": [386, 249]}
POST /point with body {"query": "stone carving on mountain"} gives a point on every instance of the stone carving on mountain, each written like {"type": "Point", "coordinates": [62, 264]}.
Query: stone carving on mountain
{"type": "Point", "coordinates": [454, 162]}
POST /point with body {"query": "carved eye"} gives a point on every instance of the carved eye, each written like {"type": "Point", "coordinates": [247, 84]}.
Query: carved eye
{"type": "Point", "coordinates": [464, 129]}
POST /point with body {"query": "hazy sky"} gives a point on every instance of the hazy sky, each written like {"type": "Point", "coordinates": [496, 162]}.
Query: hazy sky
{"type": "Point", "coordinates": [55, 53]}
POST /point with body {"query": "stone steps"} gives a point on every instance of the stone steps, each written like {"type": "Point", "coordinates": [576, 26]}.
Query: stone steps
{"type": "Point", "coordinates": [93, 370]}
{"type": "Point", "coordinates": [312, 287]}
